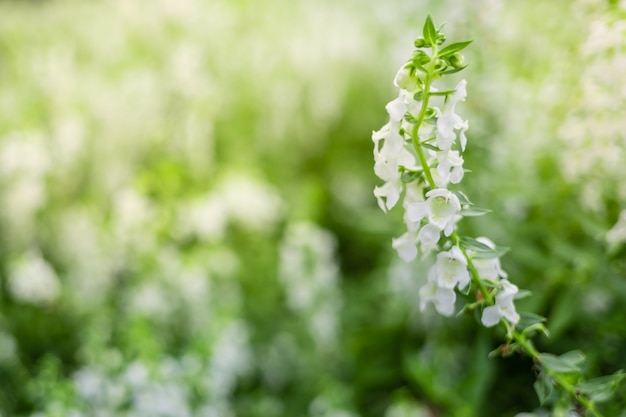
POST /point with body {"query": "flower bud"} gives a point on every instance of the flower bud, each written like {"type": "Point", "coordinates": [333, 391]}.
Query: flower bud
{"type": "Point", "coordinates": [420, 43]}
{"type": "Point", "coordinates": [404, 79]}
{"type": "Point", "coordinates": [441, 65]}
{"type": "Point", "coordinates": [457, 60]}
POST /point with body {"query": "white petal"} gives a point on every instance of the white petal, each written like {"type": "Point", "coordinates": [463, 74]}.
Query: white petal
{"type": "Point", "coordinates": [390, 193]}
{"type": "Point", "coordinates": [491, 316]}
{"type": "Point", "coordinates": [509, 313]}
{"type": "Point", "coordinates": [444, 301]}
{"type": "Point", "coordinates": [417, 211]}
{"type": "Point", "coordinates": [396, 109]}
{"type": "Point", "coordinates": [405, 246]}
{"type": "Point", "coordinates": [429, 234]}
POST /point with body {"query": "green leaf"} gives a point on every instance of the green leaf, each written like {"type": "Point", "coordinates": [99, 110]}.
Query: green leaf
{"type": "Point", "coordinates": [429, 32]}
{"type": "Point", "coordinates": [528, 319]}
{"type": "Point", "coordinates": [453, 48]}
{"type": "Point", "coordinates": [474, 211]}
{"type": "Point", "coordinates": [523, 294]}
{"type": "Point", "coordinates": [452, 71]}
{"type": "Point", "coordinates": [410, 118]}
{"type": "Point", "coordinates": [442, 93]}
{"type": "Point", "coordinates": [429, 146]}
{"type": "Point", "coordinates": [493, 253]}
{"type": "Point", "coordinates": [566, 363]}
{"type": "Point", "coordinates": [463, 199]}
{"type": "Point", "coordinates": [543, 387]}
{"type": "Point", "coordinates": [537, 327]}
{"type": "Point", "coordinates": [482, 251]}
{"type": "Point", "coordinates": [530, 323]}
{"type": "Point", "coordinates": [409, 176]}
{"type": "Point", "coordinates": [601, 388]}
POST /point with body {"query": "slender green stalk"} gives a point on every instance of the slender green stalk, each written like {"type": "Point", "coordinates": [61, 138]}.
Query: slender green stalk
{"type": "Point", "coordinates": [414, 133]}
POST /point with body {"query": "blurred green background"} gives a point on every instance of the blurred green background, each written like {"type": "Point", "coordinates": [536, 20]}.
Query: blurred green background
{"type": "Point", "coordinates": [187, 225]}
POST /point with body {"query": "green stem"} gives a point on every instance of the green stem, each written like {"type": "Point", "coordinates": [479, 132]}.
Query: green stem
{"type": "Point", "coordinates": [528, 347]}
{"type": "Point", "coordinates": [414, 133]}
{"type": "Point", "coordinates": [475, 276]}
{"type": "Point", "coordinates": [422, 115]}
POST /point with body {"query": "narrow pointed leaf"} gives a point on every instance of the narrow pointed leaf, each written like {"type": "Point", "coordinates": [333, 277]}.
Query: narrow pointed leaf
{"type": "Point", "coordinates": [429, 31]}
{"type": "Point", "coordinates": [601, 388]}
{"type": "Point", "coordinates": [463, 199]}
{"type": "Point", "coordinates": [429, 146]}
{"type": "Point", "coordinates": [566, 363]}
{"type": "Point", "coordinates": [543, 387]}
{"type": "Point", "coordinates": [474, 211]}
{"type": "Point", "coordinates": [452, 71]}
{"type": "Point", "coordinates": [453, 48]}
{"type": "Point", "coordinates": [528, 319]}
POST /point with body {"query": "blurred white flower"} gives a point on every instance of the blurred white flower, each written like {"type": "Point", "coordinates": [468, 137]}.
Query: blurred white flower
{"type": "Point", "coordinates": [617, 235]}
{"type": "Point", "coordinates": [310, 275]}
{"type": "Point", "coordinates": [406, 246]}
{"type": "Point", "coordinates": [32, 280]}
{"type": "Point", "coordinates": [254, 204]}
{"type": "Point", "coordinates": [230, 359]}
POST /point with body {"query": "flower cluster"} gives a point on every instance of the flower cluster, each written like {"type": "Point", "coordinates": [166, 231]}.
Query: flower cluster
{"type": "Point", "coordinates": [419, 154]}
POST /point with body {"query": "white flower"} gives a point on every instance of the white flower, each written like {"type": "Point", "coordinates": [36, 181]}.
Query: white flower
{"type": "Point", "coordinates": [489, 268]}
{"type": "Point", "coordinates": [404, 80]}
{"type": "Point", "coordinates": [504, 307]}
{"type": "Point", "coordinates": [451, 269]}
{"type": "Point", "coordinates": [393, 141]}
{"type": "Point", "coordinates": [388, 158]}
{"type": "Point", "coordinates": [405, 246]}
{"type": "Point", "coordinates": [388, 194]}
{"type": "Point", "coordinates": [450, 166]}
{"type": "Point", "coordinates": [440, 207]}
{"type": "Point", "coordinates": [442, 298]}
{"type": "Point", "coordinates": [401, 105]}
{"type": "Point", "coordinates": [448, 120]}
{"type": "Point", "coordinates": [429, 235]}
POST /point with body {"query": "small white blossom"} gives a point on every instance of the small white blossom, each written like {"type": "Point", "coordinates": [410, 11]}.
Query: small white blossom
{"type": "Point", "coordinates": [429, 235]}
{"type": "Point", "coordinates": [402, 105]}
{"type": "Point", "coordinates": [448, 121]}
{"type": "Point", "coordinates": [442, 298]}
{"type": "Point", "coordinates": [504, 307]}
{"type": "Point", "coordinates": [388, 158]}
{"type": "Point", "coordinates": [404, 80]}
{"type": "Point", "coordinates": [440, 208]}
{"type": "Point", "coordinates": [450, 166]}
{"type": "Point", "coordinates": [405, 246]}
{"type": "Point", "coordinates": [451, 269]}
{"type": "Point", "coordinates": [489, 268]}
